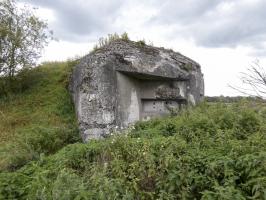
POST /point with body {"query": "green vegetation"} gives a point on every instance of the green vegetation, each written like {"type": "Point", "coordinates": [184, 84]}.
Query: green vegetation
{"type": "Point", "coordinates": [235, 99]}
{"type": "Point", "coordinates": [209, 152]}
{"type": "Point", "coordinates": [103, 41]}
{"type": "Point", "coordinates": [141, 43]}
{"type": "Point", "coordinates": [38, 118]}
{"type": "Point", "coordinates": [22, 38]}
{"type": "Point", "coordinates": [213, 151]}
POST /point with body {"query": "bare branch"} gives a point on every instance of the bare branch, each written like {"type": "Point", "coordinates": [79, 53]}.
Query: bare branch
{"type": "Point", "coordinates": [253, 80]}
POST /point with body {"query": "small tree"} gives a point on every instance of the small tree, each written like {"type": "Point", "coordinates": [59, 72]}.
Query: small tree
{"type": "Point", "coordinates": [253, 81]}
{"type": "Point", "coordinates": [22, 37]}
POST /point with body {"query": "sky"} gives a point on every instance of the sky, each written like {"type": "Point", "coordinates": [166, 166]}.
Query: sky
{"type": "Point", "coordinates": [223, 36]}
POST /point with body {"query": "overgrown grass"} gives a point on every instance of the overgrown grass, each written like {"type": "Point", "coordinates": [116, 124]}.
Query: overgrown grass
{"type": "Point", "coordinates": [39, 119]}
{"type": "Point", "coordinates": [104, 41]}
{"type": "Point", "coordinates": [208, 152]}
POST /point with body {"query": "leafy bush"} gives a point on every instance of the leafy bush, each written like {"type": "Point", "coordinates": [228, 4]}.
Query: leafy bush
{"type": "Point", "coordinates": [197, 155]}
{"type": "Point", "coordinates": [23, 81]}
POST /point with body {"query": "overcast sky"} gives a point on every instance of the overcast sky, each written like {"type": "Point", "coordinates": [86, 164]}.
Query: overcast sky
{"type": "Point", "coordinates": [224, 36]}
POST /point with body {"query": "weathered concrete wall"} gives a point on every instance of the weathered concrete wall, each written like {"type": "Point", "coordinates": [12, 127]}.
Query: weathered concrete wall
{"type": "Point", "coordinates": [140, 98]}
{"type": "Point", "coordinates": [159, 96]}
{"type": "Point", "coordinates": [94, 97]}
{"type": "Point", "coordinates": [195, 88]}
{"type": "Point", "coordinates": [123, 82]}
{"type": "Point", "coordinates": [128, 104]}
{"type": "Point", "coordinates": [166, 89]}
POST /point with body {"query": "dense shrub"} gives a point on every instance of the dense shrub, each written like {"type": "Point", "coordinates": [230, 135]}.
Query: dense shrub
{"type": "Point", "coordinates": [23, 81]}
{"type": "Point", "coordinates": [208, 152]}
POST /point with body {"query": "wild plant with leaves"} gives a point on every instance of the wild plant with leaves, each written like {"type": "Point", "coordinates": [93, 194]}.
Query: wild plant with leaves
{"type": "Point", "coordinates": [215, 151]}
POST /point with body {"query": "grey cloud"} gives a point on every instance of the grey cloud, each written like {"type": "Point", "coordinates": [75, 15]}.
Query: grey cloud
{"type": "Point", "coordinates": [245, 26]}
{"type": "Point", "coordinates": [183, 12]}
{"type": "Point", "coordinates": [200, 20]}
{"type": "Point", "coordinates": [77, 20]}
{"type": "Point", "coordinates": [209, 26]}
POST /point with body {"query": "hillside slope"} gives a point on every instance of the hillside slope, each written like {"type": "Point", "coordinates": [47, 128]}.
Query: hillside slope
{"type": "Point", "coordinates": [213, 151]}
{"type": "Point", "coordinates": [38, 120]}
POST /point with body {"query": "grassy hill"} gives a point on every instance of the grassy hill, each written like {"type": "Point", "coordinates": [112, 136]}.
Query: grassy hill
{"type": "Point", "coordinates": [38, 120]}
{"type": "Point", "coordinates": [215, 151]}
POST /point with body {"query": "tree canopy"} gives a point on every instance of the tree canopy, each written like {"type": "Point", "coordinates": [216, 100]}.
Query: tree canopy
{"type": "Point", "coordinates": [22, 37]}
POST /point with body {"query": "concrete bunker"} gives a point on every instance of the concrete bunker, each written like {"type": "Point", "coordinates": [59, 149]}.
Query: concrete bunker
{"type": "Point", "coordinates": [142, 96]}
{"type": "Point", "coordinates": [123, 82]}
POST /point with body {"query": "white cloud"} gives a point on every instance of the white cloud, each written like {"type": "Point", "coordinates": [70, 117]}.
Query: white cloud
{"type": "Point", "coordinates": [223, 36]}
{"type": "Point", "coordinates": [63, 50]}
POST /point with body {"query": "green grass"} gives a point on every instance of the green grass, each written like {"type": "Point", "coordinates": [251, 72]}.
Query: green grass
{"type": "Point", "coordinates": [209, 152]}
{"type": "Point", "coordinates": [38, 120]}
{"type": "Point", "coordinates": [212, 151]}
